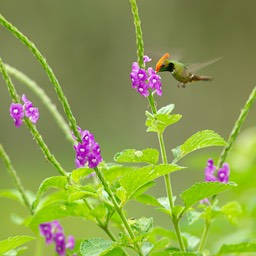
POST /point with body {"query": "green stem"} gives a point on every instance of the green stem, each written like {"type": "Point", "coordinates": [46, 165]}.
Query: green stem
{"type": "Point", "coordinates": [100, 223]}
{"type": "Point", "coordinates": [168, 187]}
{"type": "Point", "coordinates": [167, 176]}
{"type": "Point", "coordinates": [31, 126]}
{"type": "Point", "coordinates": [39, 250]}
{"type": "Point", "coordinates": [103, 226]}
{"type": "Point", "coordinates": [152, 103]}
{"type": "Point", "coordinates": [117, 208]}
{"type": "Point", "coordinates": [204, 236]}
{"type": "Point", "coordinates": [51, 107]}
{"type": "Point", "coordinates": [49, 72]}
{"type": "Point", "coordinates": [14, 176]}
{"type": "Point", "coordinates": [49, 156]}
{"type": "Point", "coordinates": [138, 31]}
{"type": "Point", "coordinates": [43, 97]}
{"type": "Point", "coordinates": [237, 127]}
{"type": "Point", "coordinates": [178, 233]}
{"type": "Point", "coordinates": [140, 53]}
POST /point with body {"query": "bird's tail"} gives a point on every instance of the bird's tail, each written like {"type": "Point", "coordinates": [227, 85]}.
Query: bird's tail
{"type": "Point", "coordinates": [200, 78]}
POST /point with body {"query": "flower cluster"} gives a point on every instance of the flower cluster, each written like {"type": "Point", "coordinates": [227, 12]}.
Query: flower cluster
{"type": "Point", "coordinates": [18, 111]}
{"type": "Point", "coordinates": [222, 174]}
{"type": "Point", "coordinates": [53, 233]}
{"type": "Point", "coordinates": [144, 81]}
{"type": "Point", "coordinates": [88, 151]}
{"type": "Point", "coordinates": [211, 174]}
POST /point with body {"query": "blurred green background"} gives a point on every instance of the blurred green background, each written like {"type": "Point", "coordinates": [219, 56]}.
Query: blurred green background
{"type": "Point", "coordinates": [90, 45]}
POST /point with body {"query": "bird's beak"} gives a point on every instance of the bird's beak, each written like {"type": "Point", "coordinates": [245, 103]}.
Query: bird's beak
{"type": "Point", "coordinates": [160, 62]}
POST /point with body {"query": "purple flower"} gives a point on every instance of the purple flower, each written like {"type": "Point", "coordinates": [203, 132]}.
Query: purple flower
{"type": "Point", "coordinates": [154, 82]}
{"type": "Point", "coordinates": [144, 81]}
{"type": "Point", "coordinates": [222, 174]}
{"type": "Point", "coordinates": [211, 174]}
{"type": "Point", "coordinates": [93, 160]}
{"type": "Point", "coordinates": [53, 232]}
{"type": "Point", "coordinates": [46, 231]}
{"type": "Point", "coordinates": [56, 226]}
{"type": "Point", "coordinates": [70, 242]}
{"type": "Point", "coordinates": [30, 111]}
{"type": "Point", "coordinates": [82, 150]}
{"type": "Point", "coordinates": [205, 201]}
{"type": "Point", "coordinates": [16, 112]}
{"type": "Point", "coordinates": [209, 171]}
{"type": "Point", "coordinates": [146, 59]}
{"type": "Point", "coordinates": [87, 151]}
{"type": "Point", "coordinates": [60, 245]}
{"type": "Point", "coordinates": [142, 88]}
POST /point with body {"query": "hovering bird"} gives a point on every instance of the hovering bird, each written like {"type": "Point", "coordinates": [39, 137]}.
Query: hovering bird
{"type": "Point", "coordinates": [181, 72]}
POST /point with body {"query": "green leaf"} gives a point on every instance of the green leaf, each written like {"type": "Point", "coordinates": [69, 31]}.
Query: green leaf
{"type": "Point", "coordinates": [100, 211]}
{"type": "Point", "coordinates": [186, 254]}
{"type": "Point", "coordinates": [132, 181]}
{"type": "Point", "coordinates": [11, 194]}
{"type": "Point", "coordinates": [164, 201]}
{"type": "Point", "coordinates": [237, 248]}
{"type": "Point", "coordinates": [122, 195]}
{"type": "Point", "coordinates": [146, 248]}
{"type": "Point", "coordinates": [190, 241]}
{"type": "Point", "coordinates": [166, 110]}
{"type": "Point", "coordinates": [159, 231]}
{"type": "Point", "coordinates": [166, 209]}
{"type": "Point", "coordinates": [113, 171]}
{"type": "Point", "coordinates": [96, 246]}
{"type": "Point", "coordinates": [202, 139]}
{"type": "Point", "coordinates": [78, 193]}
{"type": "Point", "coordinates": [149, 155]}
{"type": "Point", "coordinates": [159, 122]}
{"type": "Point", "coordinates": [232, 211]}
{"type": "Point", "coordinates": [78, 174]}
{"type": "Point", "coordinates": [164, 253]}
{"type": "Point", "coordinates": [58, 210]}
{"type": "Point", "coordinates": [193, 216]}
{"type": "Point", "coordinates": [141, 226]}
{"type": "Point", "coordinates": [16, 219]}
{"type": "Point", "coordinates": [52, 182]}
{"type": "Point", "coordinates": [177, 210]}
{"type": "Point", "coordinates": [115, 252]}
{"type": "Point", "coordinates": [149, 115]}
{"type": "Point", "coordinates": [202, 190]}
{"type": "Point", "coordinates": [161, 243]}
{"type": "Point", "coordinates": [13, 242]}
{"type": "Point", "coordinates": [148, 200]}
{"type": "Point", "coordinates": [143, 189]}
{"type": "Point", "coordinates": [15, 195]}
{"type": "Point", "coordinates": [54, 197]}
{"type": "Point", "coordinates": [17, 251]}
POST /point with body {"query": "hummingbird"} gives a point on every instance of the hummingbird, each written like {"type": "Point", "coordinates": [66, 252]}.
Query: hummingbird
{"type": "Point", "coordinates": [181, 72]}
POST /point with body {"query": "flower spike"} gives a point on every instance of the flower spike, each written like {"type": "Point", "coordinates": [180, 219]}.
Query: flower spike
{"type": "Point", "coordinates": [145, 80]}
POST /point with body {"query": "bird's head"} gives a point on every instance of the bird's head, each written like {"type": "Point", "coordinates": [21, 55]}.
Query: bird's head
{"type": "Point", "coordinates": [164, 64]}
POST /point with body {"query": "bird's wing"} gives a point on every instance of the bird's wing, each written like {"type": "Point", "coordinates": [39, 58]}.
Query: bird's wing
{"type": "Point", "coordinates": [197, 66]}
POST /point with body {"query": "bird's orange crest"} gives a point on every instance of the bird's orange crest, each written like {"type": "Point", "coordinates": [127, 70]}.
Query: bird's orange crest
{"type": "Point", "coordinates": [160, 62]}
